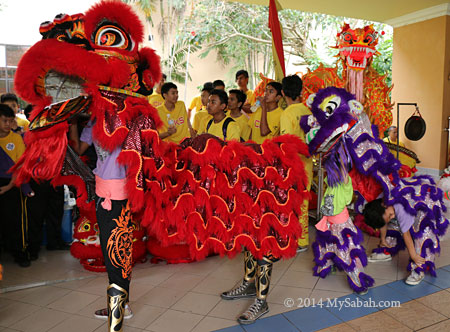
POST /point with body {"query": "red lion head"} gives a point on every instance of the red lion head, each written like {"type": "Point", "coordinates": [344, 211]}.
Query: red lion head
{"type": "Point", "coordinates": [98, 48]}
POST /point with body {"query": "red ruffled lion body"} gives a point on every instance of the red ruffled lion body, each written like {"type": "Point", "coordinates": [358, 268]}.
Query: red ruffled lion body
{"type": "Point", "coordinates": [212, 195]}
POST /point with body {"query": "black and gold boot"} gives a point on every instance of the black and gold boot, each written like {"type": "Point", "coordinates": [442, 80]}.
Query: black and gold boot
{"type": "Point", "coordinates": [246, 288]}
{"type": "Point", "coordinates": [117, 298]}
{"type": "Point", "coordinates": [259, 307]}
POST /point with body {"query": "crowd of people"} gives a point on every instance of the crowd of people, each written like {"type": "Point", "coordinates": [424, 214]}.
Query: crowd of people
{"type": "Point", "coordinates": [27, 208]}
{"type": "Point", "coordinates": [234, 115]}
{"type": "Point", "coordinates": [238, 115]}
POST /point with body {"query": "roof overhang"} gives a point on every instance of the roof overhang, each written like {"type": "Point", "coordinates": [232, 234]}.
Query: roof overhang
{"type": "Point", "coordinates": [393, 12]}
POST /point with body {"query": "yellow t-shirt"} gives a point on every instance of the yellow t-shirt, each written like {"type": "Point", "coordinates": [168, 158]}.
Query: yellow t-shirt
{"type": "Point", "coordinates": [216, 129]}
{"type": "Point", "coordinates": [250, 97]}
{"type": "Point", "coordinates": [388, 140]}
{"type": "Point", "coordinates": [273, 120]}
{"type": "Point", "coordinates": [21, 122]}
{"type": "Point", "coordinates": [199, 118]}
{"type": "Point", "coordinates": [242, 121]}
{"type": "Point", "coordinates": [290, 124]}
{"type": "Point", "coordinates": [155, 100]}
{"type": "Point", "coordinates": [196, 103]}
{"type": "Point", "coordinates": [179, 116]}
{"type": "Point", "coordinates": [13, 146]}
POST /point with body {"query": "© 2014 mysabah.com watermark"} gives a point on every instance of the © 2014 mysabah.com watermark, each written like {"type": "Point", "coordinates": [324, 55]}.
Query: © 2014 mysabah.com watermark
{"type": "Point", "coordinates": [340, 303]}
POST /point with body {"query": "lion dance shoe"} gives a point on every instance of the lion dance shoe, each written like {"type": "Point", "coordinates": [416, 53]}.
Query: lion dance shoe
{"type": "Point", "coordinates": [245, 290]}
{"type": "Point", "coordinates": [414, 278]}
{"type": "Point", "coordinates": [103, 313]}
{"type": "Point", "coordinates": [117, 297]}
{"type": "Point", "coordinates": [256, 310]}
{"type": "Point", "coordinates": [379, 257]}
{"type": "Point", "coordinates": [262, 282]}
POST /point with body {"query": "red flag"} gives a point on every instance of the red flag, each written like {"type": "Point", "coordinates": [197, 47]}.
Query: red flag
{"type": "Point", "coordinates": [277, 40]}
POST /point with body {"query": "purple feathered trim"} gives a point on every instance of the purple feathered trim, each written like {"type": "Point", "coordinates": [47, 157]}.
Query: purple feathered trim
{"type": "Point", "coordinates": [360, 202]}
{"type": "Point", "coordinates": [337, 164]}
{"type": "Point", "coordinates": [437, 227]}
{"type": "Point", "coordinates": [394, 250]}
{"type": "Point", "coordinates": [428, 267]}
{"type": "Point", "coordinates": [324, 238]}
{"type": "Point", "coordinates": [385, 163]}
{"type": "Point", "coordinates": [399, 193]}
{"type": "Point", "coordinates": [339, 263]}
{"type": "Point", "coordinates": [322, 273]}
{"type": "Point", "coordinates": [365, 280]}
{"type": "Point", "coordinates": [304, 123]}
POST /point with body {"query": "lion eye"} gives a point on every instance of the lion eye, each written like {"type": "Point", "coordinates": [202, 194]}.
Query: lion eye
{"type": "Point", "coordinates": [112, 36]}
{"type": "Point", "coordinates": [369, 39]}
{"type": "Point", "coordinates": [332, 105]}
{"type": "Point", "coordinates": [347, 37]}
{"type": "Point", "coordinates": [85, 226]}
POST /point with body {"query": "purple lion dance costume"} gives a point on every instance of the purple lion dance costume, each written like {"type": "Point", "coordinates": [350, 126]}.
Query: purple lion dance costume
{"type": "Point", "coordinates": [338, 241]}
{"type": "Point", "coordinates": [420, 198]}
{"type": "Point", "coordinates": [342, 132]}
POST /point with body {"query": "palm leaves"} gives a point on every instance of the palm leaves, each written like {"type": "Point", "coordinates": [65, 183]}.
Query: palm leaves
{"type": "Point", "coordinates": [176, 63]}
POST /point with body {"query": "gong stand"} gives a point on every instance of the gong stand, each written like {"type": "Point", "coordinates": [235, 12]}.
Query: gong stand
{"type": "Point", "coordinates": [398, 123]}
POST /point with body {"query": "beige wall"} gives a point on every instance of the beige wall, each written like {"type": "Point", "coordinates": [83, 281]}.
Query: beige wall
{"type": "Point", "coordinates": [446, 87]}
{"type": "Point", "coordinates": [201, 71]}
{"type": "Point", "coordinates": [420, 73]}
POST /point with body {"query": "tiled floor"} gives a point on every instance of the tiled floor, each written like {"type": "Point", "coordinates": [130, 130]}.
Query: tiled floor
{"type": "Point", "coordinates": [185, 297]}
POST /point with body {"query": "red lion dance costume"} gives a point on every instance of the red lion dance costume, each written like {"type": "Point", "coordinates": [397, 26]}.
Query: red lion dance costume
{"type": "Point", "coordinates": [213, 195]}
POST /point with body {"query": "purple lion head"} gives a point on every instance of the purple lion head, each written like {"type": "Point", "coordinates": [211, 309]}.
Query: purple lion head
{"type": "Point", "coordinates": [334, 112]}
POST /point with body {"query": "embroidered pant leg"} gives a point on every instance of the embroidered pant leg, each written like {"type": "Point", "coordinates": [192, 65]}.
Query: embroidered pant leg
{"type": "Point", "coordinates": [426, 245]}
{"type": "Point", "coordinates": [322, 257]}
{"type": "Point", "coordinates": [394, 241]}
{"type": "Point", "coordinates": [116, 240]}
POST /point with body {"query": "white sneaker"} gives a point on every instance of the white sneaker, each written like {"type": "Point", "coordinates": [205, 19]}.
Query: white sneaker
{"type": "Point", "coordinates": [414, 278]}
{"type": "Point", "coordinates": [379, 257]}
{"type": "Point", "coordinates": [103, 313]}
{"type": "Point", "coordinates": [364, 292]}
{"type": "Point", "coordinates": [302, 249]}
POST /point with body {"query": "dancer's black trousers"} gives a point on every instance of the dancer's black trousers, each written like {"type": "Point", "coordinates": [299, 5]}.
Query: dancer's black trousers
{"type": "Point", "coordinates": [116, 240]}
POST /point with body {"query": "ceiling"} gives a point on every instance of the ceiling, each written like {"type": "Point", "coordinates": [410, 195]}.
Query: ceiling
{"type": "Point", "coordinates": [375, 10]}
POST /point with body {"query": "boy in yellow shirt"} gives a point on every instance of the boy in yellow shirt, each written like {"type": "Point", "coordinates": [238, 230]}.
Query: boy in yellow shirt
{"type": "Point", "coordinates": [219, 85]}
{"type": "Point", "coordinates": [13, 222]}
{"type": "Point", "coordinates": [20, 125]}
{"type": "Point", "coordinates": [202, 114]}
{"type": "Point", "coordinates": [156, 99]}
{"type": "Point", "coordinates": [290, 124]}
{"type": "Point", "coordinates": [236, 100]}
{"type": "Point", "coordinates": [196, 102]}
{"type": "Point", "coordinates": [242, 82]}
{"type": "Point", "coordinates": [265, 122]}
{"type": "Point", "coordinates": [173, 114]}
{"type": "Point", "coordinates": [220, 125]}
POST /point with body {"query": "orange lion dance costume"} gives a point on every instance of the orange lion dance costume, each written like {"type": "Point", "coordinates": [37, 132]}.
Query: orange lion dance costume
{"type": "Point", "coordinates": [357, 47]}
